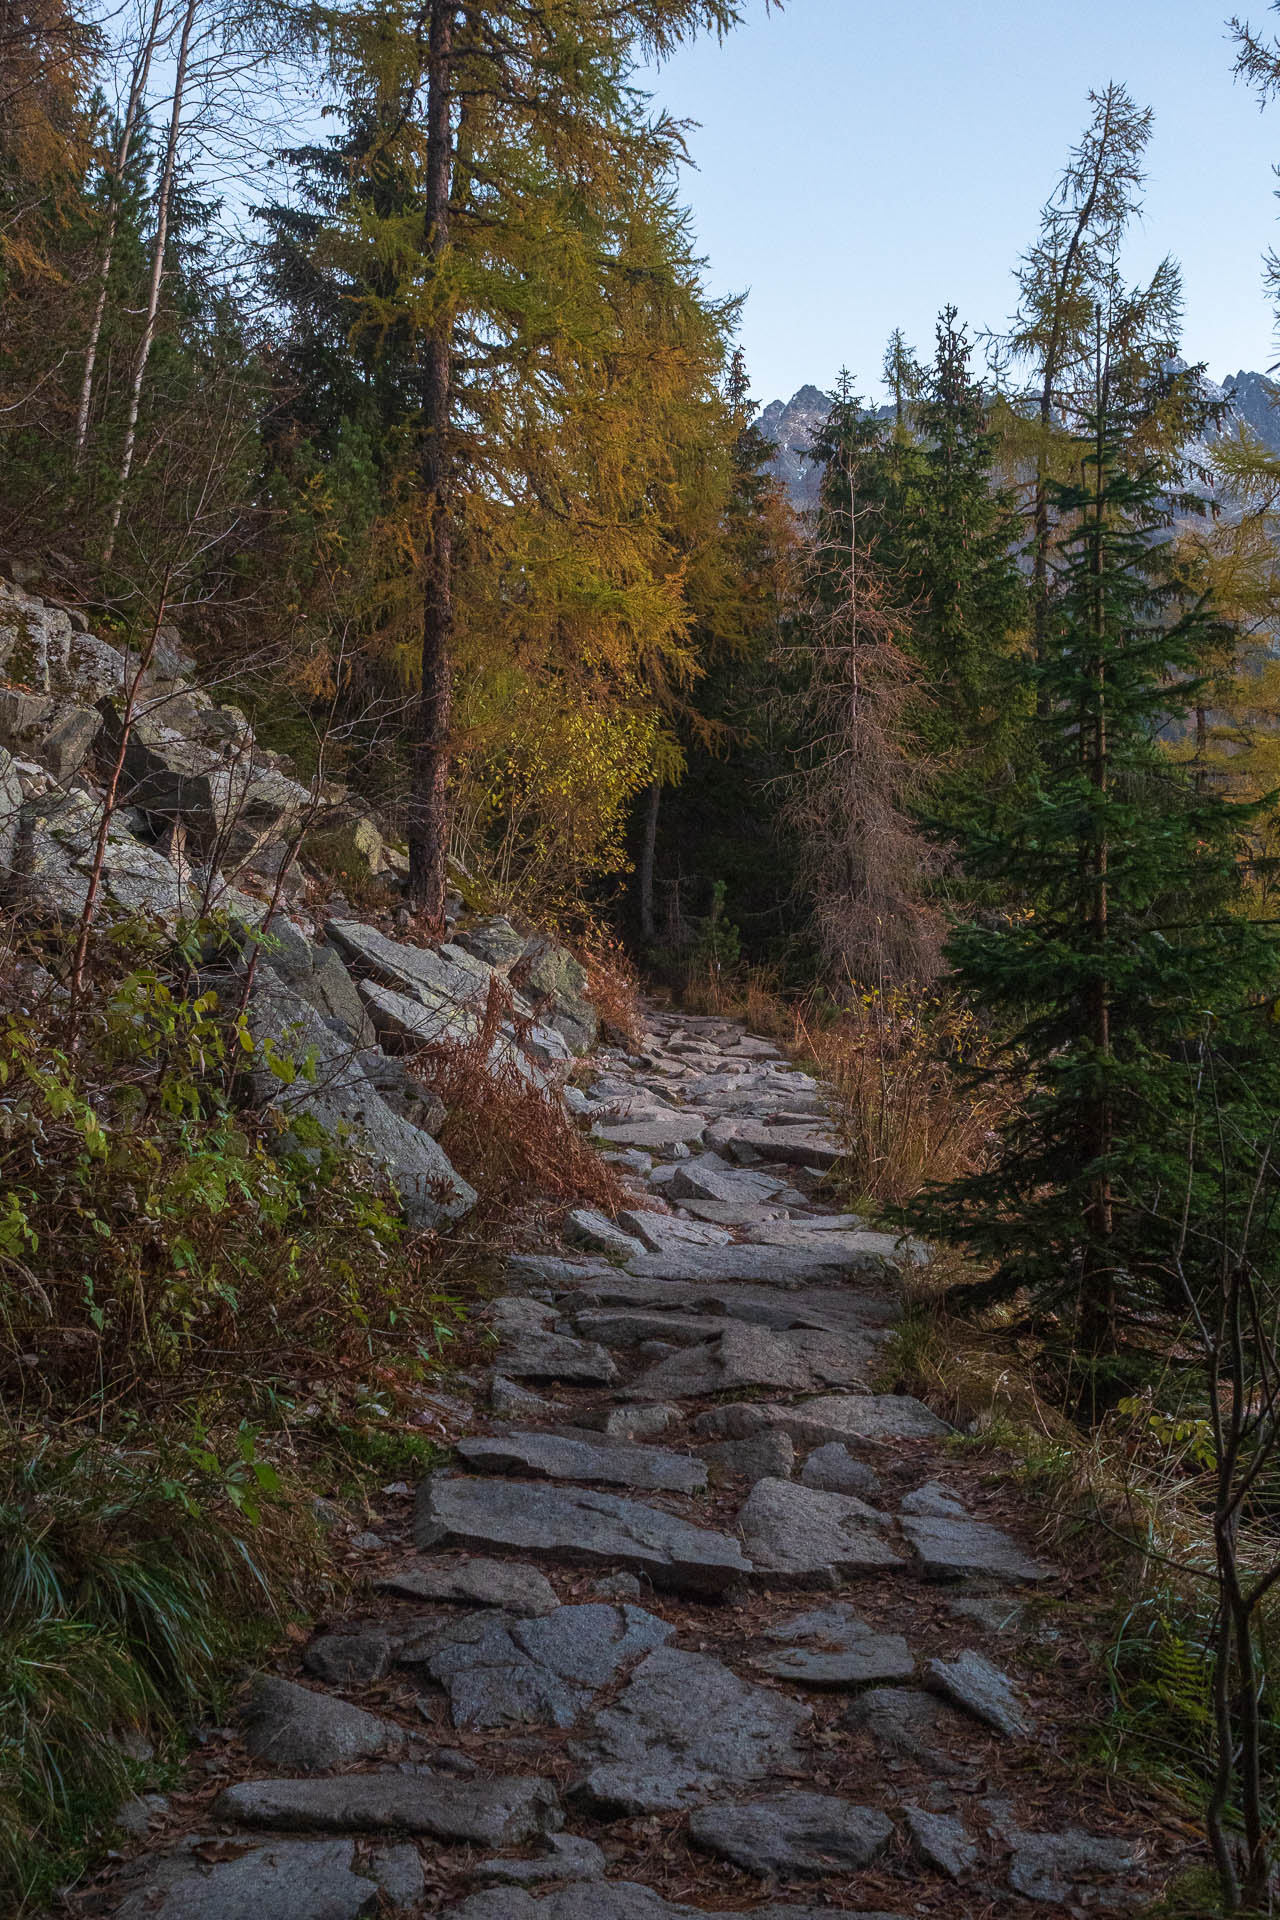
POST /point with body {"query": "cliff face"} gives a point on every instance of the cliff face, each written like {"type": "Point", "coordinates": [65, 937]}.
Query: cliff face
{"type": "Point", "coordinates": [791, 424]}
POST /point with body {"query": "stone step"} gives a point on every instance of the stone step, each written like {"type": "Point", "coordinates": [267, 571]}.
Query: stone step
{"type": "Point", "coordinates": [579, 1526]}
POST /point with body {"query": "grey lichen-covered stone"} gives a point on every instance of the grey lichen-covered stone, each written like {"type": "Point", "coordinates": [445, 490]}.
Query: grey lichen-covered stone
{"type": "Point", "coordinates": [277, 1880]}
{"type": "Point", "coordinates": [206, 772]}
{"type": "Point", "coordinates": [616, 1900]}
{"type": "Point", "coordinates": [554, 1456]}
{"type": "Point", "coordinates": [941, 1841]}
{"type": "Point", "coordinates": [398, 1873]}
{"type": "Point", "coordinates": [512, 1402]}
{"type": "Point", "coordinates": [742, 1356]}
{"type": "Point", "coordinates": [823, 1260]}
{"type": "Point", "coordinates": [993, 1612]}
{"type": "Point", "coordinates": [495, 941]}
{"type": "Point", "coordinates": [413, 970]}
{"type": "Point", "coordinates": [785, 1836]}
{"type": "Point", "coordinates": [833, 1469]}
{"type": "Point", "coordinates": [802, 1146]}
{"type": "Point", "coordinates": [501, 1812]}
{"type": "Point", "coordinates": [313, 972]}
{"type": "Point", "coordinates": [557, 985]}
{"type": "Point", "coordinates": [584, 1227]}
{"type": "Point", "coordinates": [354, 1658]}
{"type": "Point", "coordinates": [290, 1726]}
{"type": "Point", "coordinates": [875, 1417]}
{"type": "Point", "coordinates": [329, 1085]}
{"type": "Point", "coordinates": [908, 1724]}
{"type": "Point", "coordinates": [633, 1326]}
{"type": "Point", "coordinates": [666, 1233]}
{"type": "Point", "coordinates": [934, 1502]}
{"type": "Point", "coordinates": [710, 1178]}
{"type": "Point", "coordinates": [404, 1092]}
{"type": "Point", "coordinates": [577, 1524]}
{"type": "Point", "coordinates": [502, 1672]}
{"type": "Point", "coordinates": [768, 1455]}
{"type": "Point", "coordinates": [797, 1536]}
{"type": "Point", "coordinates": [66, 747]}
{"type": "Point", "coordinates": [955, 1549]}
{"type": "Point", "coordinates": [831, 1647]}
{"type": "Point", "coordinates": [534, 1355]}
{"type": "Point", "coordinates": [568, 1856]}
{"type": "Point", "coordinates": [407, 1021]}
{"type": "Point", "coordinates": [475, 1582]}
{"type": "Point", "coordinates": [654, 1131]}
{"type": "Point", "coordinates": [53, 859]}
{"type": "Point", "coordinates": [10, 819]}
{"type": "Point", "coordinates": [972, 1682]}
{"type": "Point", "coordinates": [1053, 1866]}
{"type": "Point", "coordinates": [686, 1728]}
{"type": "Point", "coordinates": [632, 1423]}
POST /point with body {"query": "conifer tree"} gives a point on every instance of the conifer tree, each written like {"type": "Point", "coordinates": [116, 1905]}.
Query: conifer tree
{"type": "Point", "coordinates": [1124, 946]}
{"type": "Point", "coordinates": [1069, 271]}
{"type": "Point", "coordinates": [955, 553]}
{"type": "Point", "coordinates": [524, 127]}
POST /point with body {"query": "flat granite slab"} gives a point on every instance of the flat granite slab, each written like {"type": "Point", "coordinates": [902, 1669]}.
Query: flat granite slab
{"type": "Point", "coordinates": [616, 1900]}
{"type": "Point", "coordinates": [798, 1536]}
{"type": "Point", "coordinates": [487, 1813]}
{"type": "Point", "coordinates": [553, 1456]}
{"type": "Point", "coordinates": [577, 1525]}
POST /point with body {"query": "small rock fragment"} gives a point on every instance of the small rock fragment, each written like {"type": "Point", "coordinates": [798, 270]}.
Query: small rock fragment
{"type": "Point", "coordinates": [290, 1726]}
{"type": "Point", "coordinates": [833, 1469]}
{"type": "Point", "coordinates": [568, 1857]}
{"type": "Point", "coordinates": [973, 1683]}
{"type": "Point", "coordinates": [761, 1456]}
{"type": "Point", "coordinates": [941, 1841]}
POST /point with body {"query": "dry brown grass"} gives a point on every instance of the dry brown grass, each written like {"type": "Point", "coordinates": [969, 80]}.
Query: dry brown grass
{"type": "Point", "coordinates": [906, 1112]}
{"type": "Point", "coordinates": [614, 988]}
{"type": "Point", "coordinates": [514, 1145]}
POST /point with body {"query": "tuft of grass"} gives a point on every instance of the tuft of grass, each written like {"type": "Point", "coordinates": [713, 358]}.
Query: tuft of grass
{"type": "Point", "coordinates": [613, 987]}
{"type": "Point", "coordinates": [131, 1580]}
{"type": "Point", "coordinates": [895, 1064]}
{"type": "Point", "coordinates": [508, 1139]}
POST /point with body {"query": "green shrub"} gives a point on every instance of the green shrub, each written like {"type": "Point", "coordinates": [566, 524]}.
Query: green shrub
{"type": "Point", "coordinates": [148, 1230]}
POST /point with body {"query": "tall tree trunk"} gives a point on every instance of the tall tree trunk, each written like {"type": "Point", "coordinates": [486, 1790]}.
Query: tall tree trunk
{"type": "Point", "coordinates": [1098, 1285]}
{"type": "Point", "coordinates": [648, 851]}
{"type": "Point", "coordinates": [164, 203]}
{"type": "Point", "coordinates": [428, 823]}
{"type": "Point", "coordinates": [132, 116]}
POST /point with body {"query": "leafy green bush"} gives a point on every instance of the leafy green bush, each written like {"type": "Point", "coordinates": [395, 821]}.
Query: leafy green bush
{"type": "Point", "coordinates": [147, 1229]}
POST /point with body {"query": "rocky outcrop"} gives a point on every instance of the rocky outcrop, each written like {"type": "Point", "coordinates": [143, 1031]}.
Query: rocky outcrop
{"type": "Point", "coordinates": [208, 825]}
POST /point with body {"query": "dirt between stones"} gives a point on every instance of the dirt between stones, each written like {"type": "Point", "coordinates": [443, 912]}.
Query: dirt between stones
{"type": "Point", "coordinates": [810, 1734]}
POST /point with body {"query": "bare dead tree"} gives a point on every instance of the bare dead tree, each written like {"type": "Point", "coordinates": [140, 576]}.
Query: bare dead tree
{"type": "Point", "coordinates": [863, 862]}
{"type": "Point", "coordinates": [1227, 1267]}
{"type": "Point", "coordinates": [135, 107]}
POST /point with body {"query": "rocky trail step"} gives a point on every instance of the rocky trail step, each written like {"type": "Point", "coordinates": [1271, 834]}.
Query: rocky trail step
{"type": "Point", "coordinates": [698, 1619]}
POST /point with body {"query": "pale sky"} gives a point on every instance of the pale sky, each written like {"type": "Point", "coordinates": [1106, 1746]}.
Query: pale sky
{"type": "Point", "coordinates": [861, 162]}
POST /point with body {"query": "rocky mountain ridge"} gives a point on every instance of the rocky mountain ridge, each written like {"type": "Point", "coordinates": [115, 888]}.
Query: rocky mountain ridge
{"type": "Point", "coordinates": [1253, 399]}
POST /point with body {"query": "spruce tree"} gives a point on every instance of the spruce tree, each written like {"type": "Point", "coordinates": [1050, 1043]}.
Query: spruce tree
{"type": "Point", "coordinates": [956, 556]}
{"type": "Point", "coordinates": [1124, 953]}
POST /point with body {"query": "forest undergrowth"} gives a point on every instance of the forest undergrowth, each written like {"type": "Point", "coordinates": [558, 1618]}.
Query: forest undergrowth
{"type": "Point", "coordinates": [203, 1341]}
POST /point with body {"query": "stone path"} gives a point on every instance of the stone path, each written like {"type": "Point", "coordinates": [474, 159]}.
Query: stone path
{"type": "Point", "coordinates": [697, 1620]}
